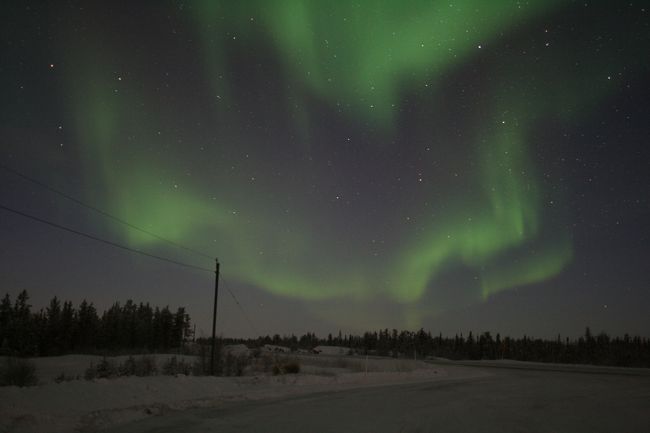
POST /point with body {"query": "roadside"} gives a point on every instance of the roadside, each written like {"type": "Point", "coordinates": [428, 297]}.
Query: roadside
{"type": "Point", "coordinates": [89, 405]}
{"type": "Point", "coordinates": [541, 366]}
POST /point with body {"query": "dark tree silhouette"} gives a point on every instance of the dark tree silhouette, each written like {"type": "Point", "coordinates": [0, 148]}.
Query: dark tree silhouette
{"type": "Point", "coordinates": [61, 328]}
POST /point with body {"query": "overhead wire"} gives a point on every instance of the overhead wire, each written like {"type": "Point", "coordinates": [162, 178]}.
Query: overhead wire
{"type": "Point", "coordinates": [133, 250]}
{"type": "Point", "coordinates": [102, 212]}
{"type": "Point", "coordinates": [243, 312]}
{"type": "Point", "coordinates": [115, 244]}
{"type": "Point", "coordinates": [105, 241]}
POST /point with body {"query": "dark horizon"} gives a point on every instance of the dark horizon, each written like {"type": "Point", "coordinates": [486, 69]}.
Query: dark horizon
{"type": "Point", "coordinates": [62, 329]}
{"type": "Point", "coordinates": [37, 310]}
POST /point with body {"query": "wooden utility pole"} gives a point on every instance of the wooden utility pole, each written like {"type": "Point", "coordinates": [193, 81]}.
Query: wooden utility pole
{"type": "Point", "coordinates": [214, 317]}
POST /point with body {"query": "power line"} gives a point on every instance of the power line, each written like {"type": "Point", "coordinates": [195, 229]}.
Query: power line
{"type": "Point", "coordinates": [133, 250]}
{"type": "Point", "coordinates": [250, 322]}
{"type": "Point", "coordinates": [102, 212]}
{"type": "Point", "coordinates": [95, 238]}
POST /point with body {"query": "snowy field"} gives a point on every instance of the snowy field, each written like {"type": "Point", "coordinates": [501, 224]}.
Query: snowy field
{"type": "Point", "coordinates": [332, 394]}
{"type": "Point", "coordinates": [504, 401]}
{"type": "Point", "coordinates": [81, 405]}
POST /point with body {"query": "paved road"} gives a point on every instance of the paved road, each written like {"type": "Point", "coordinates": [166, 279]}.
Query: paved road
{"type": "Point", "coordinates": [508, 400]}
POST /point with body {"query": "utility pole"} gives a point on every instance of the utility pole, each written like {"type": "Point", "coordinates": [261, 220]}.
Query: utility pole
{"type": "Point", "coordinates": [214, 317]}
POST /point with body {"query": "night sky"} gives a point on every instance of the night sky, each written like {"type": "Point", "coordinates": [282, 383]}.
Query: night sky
{"type": "Point", "coordinates": [472, 165]}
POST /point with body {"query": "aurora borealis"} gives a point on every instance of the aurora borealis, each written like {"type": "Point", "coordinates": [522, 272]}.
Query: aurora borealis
{"type": "Point", "coordinates": [352, 164]}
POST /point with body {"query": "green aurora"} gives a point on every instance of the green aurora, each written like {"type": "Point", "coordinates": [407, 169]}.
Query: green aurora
{"type": "Point", "coordinates": [361, 60]}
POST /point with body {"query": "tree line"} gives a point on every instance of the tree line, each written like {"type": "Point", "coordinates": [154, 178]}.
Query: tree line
{"type": "Point", "coordinates": [61, 328]}
{"type": "Point", "coordinates": [598, 349]}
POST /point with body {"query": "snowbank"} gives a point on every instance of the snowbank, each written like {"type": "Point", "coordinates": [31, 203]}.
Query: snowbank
{"type": "Point", "coordinates": [92, 405]}
{"type": "Point", "coordinates": [74, 366]}
{"type": "Point", "coordinates": [274, 348]}
{"type": "Point", "coordinates": [237, 349]}
{"type": "Point", "coordinates": [331, 350]}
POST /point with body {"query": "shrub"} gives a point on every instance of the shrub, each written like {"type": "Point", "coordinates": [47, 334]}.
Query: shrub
{"type": "Point", "coordinates": [104, 369]}
{"type": "Point", "coordinates": [201, 366]}
{"type": "Point", "coordinates": [18, 372]}
{"type": "Point", "coordinates": [90, 373]}
{"type": "Point", "coordinates": [226, 364]}
{"type": "Point", "coordinates": [63, 378]}
{"type": "Point", "coordinates": [323, 372]}
{"type": "Point", "coordinates": [146, 366]}
{"type": "Point", "coordinates": [267, 363]}
{"type": "Point", "coordinates": [234, 365]}
{"type": "Point", "coordinates": [292, 367]}
{"type": "Point", "coordinates": [286, 367]}
{"type": "Point", "coordinates": [142, 366]}
{"type": "Point", "coordinates": [173, 366]}
{"type": "Point", "coordinates": [128, 367]}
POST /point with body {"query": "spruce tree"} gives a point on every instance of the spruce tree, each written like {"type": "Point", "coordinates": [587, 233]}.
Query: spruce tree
{"type": "Point", "coordinates": [87, 327]}
{"type": "Point", "coordinates": [24, 340]}
{"type": "Point", "coordinates": [6, 324]}
{"type": "Point", "coordinates": [67, 327]}
{"type": "Point", "coordinates": [52, 344]}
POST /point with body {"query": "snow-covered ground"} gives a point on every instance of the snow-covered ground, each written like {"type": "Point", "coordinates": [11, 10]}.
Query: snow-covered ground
{"type": "Point", "coordinates": [331, 350]}
{"type": "Point", "coordinates": [80, 405]}
{"type": "Point", "coordinates": [507, 400]}
{"type": "Point", "coordinates": [546, 366]}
